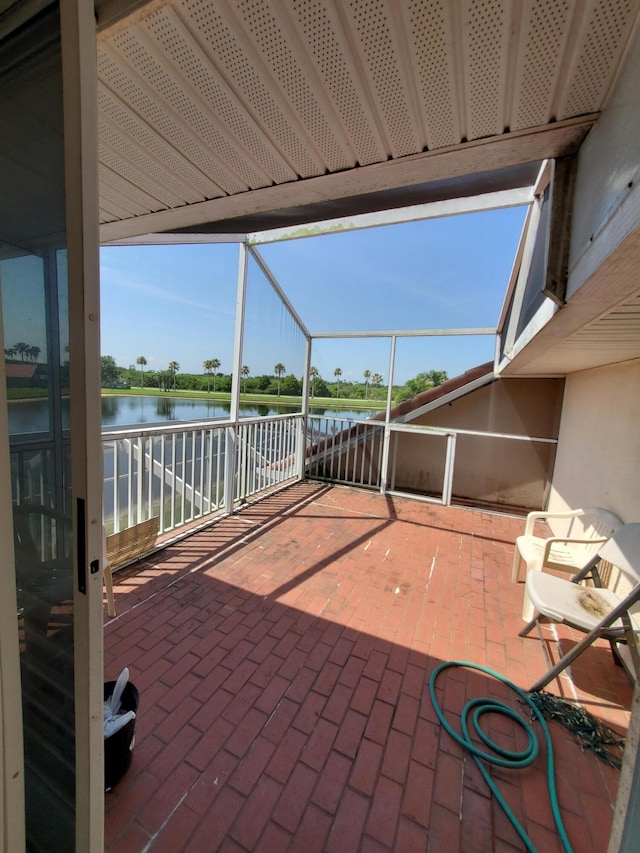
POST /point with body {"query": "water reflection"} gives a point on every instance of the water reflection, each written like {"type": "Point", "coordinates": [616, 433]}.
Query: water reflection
{"type": "Point", "coordinates": [165, 408]}
{"type": "Point", "coordinates": [110, 407]}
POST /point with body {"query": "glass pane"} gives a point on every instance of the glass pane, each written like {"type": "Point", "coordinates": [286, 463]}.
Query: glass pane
{"type": "Point", "coordinates": [33, 290]}
{"type": "Point", "coordinates": [25, 346]}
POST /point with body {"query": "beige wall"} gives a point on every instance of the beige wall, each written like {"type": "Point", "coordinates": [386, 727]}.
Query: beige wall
{"type": "Point", "coordinates": [503, 471]}
{"type": "Point", "coordinates": [598, 459]}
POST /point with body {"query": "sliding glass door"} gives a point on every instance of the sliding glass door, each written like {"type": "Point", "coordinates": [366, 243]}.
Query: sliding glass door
{"type": "Point", "coordinates": [48, 358]}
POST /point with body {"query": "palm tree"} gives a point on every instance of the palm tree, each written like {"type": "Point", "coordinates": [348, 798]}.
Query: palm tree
{"type": "Point", "coordinates": [141, 360]}
{"type": "Point", "coordinates": [33, 353]}
{"type": "Point", "coordinates": [314, 373]}
{"type": "Point", "coordinates": [208, 366]}
{"type": "Point", "coordinates": [337, 373]}
{"type": "Point", "coordinates": [22, 349]}
{"type": "Point", "coordinates": [367, 377]}
{"type": "Point", "coordinates": [437, 377]}
{"type": "Point", "coordinates": [174, 367]}
{"type": "Point", "coordinates": [215, 364]}
{"type": "Point", "coordinates": [244, 372]}
{"type": "Point", "coordinates": [279, 369]}
{"type": "Point", "coordinates": [376, 379]}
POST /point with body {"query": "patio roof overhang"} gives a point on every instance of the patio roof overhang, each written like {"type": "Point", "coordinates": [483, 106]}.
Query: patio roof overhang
{"type": "Point", "coordinates": [228, 117]}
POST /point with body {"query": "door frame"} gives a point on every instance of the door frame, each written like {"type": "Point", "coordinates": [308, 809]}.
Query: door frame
{"type": "Point", "coordinates": [12, 835]}
{"type": "Point", "coordinates": [79, 76]}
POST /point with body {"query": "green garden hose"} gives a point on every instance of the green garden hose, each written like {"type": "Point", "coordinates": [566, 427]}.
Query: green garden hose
{"type": "Point", "coordinates": [500, 756]}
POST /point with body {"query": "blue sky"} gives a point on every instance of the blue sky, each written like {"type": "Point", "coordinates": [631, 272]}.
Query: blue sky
{"type": "Point", "coordinates": [177, 303]}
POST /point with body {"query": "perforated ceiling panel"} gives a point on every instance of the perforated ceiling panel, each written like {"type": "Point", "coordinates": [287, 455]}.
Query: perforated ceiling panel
{"type": "Point", "coordinates": [324, 35]}
{"type": "Point", "coordinates": [601, 47]}
{"type": "Point", "coordinates": [486, 41]}
{"type": "Point", "coordinates": [238, 61]}
{"type": "Point", "coordinates": [374, 27]}
{"type": "Point", "coordinates": [430, 26]}
{"type": "Point", "coordinates": [126, 128]}
{"type": "Point", "coordinates": [202, 101]}
{"type": "Point", "coordinates": [546, 29]}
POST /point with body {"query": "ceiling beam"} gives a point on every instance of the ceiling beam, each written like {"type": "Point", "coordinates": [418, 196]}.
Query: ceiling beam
{"type": "Point", "coordinates": [510, 149]}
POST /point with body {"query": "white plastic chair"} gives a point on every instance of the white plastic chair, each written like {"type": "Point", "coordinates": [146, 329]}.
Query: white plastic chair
{"type": "Point", "coordinates": [590, 527]}
{"type": "Point", "coordinates": [597, 611]}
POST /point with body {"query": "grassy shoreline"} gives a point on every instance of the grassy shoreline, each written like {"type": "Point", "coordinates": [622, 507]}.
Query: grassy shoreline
{"type": "Point", "coordinates": [261, 399]}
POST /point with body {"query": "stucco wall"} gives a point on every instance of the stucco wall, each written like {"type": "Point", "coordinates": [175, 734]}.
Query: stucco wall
{"type": "Point", "coordinates": [489, 469]}
{"type": "Point", "coordinates": [598, 457]}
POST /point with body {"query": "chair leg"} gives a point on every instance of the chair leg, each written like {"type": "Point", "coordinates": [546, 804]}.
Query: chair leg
{"type": "Point", "coordinates": [564, 661]}
{"type": "Point", "coordinates": [528, 626]}
{"type": "Point", "coordinates": [517, 561]}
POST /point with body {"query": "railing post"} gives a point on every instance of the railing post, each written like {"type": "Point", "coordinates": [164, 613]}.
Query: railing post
{"type": "Point", "coordinates": [447, 485]}
{"type": "Point", "coordinates": [116, 486]}
{"type": "Point", "coordinates": [387, 431]}
{"type": "Point", "coordinates": [140, 480]}
{"type": "Point", "coordinates": [301, 433]}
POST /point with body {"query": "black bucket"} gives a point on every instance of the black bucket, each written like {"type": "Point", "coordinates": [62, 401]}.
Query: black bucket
{"type": "Point", "coordinates": [118, 747]}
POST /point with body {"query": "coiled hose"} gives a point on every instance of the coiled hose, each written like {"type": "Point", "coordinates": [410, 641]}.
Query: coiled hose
{"type": "Point", "coordinates": [501, 756]}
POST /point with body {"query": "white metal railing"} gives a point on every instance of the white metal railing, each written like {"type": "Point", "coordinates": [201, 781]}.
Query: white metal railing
{"type": "Point", "coordinates": [180, 473]}
{"type": "Point", "coordinates": [343, 450]}
{"type": "Point", "coordinates": [266, 454]}
{"type": "Point", "coordinates": [352, 452]}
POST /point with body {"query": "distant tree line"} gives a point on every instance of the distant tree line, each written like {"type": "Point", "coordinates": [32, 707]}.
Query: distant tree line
{"type": "Point", "coordinates": [278, 383]}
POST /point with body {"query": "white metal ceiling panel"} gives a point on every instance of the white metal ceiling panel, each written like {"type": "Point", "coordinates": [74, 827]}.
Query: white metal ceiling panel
{"type": "Point", "coordinates": [200, 80]}
{"type": "Point", "coordinates": [602, 45]}
{"type": "Point", "coordinates": [545, 30]}
{"type": "Point", "coordinates": [430, 29]}
{"type": "Point", "coordinates": [236, 58]}
{"type": "Point", "coordinates": [130, 163]}
{"type": "Point", "coordinates": [378, 39]}
{"type": "Point", "coordinates": [208, 99]}
{"type": "Point", "coordinates": [275, 37]}
{"type": "Point", "coordinates": [126, 129]}
{"type": "Point", "coordinates": [125, 194]}
{"type": "Point", "coordinates": [124, 81]}
{"type": "Point", "coordinates": [325, 38]}
{"type": "Point", "coordinates": [184, 101]}
{"type": "Point", "coordinates": [487, 30]}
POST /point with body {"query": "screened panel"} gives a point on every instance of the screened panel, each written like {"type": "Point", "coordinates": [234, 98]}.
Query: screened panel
{"type": "Point", "coordinates": [193, 285]}
{"type": "Point", "coordinates": [449, 272]}
{"type": "Point", "coordinates": [349, 369]}
{"type": "Point", "coordinates": [273, 352]}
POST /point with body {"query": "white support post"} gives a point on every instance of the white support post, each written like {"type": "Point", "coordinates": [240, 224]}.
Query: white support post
{"type": "Point", "coordinates": [232, 430]}
{"type": "Point", "coordinates": [387, 417]}
{"type": "Point", "coordinates": [301, 431]}
{"type": "Point", "coordinates": [447, 485]}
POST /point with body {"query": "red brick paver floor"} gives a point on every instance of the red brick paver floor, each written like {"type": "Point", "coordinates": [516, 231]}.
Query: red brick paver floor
{"type": "Point", "coordinates": [283, 657]}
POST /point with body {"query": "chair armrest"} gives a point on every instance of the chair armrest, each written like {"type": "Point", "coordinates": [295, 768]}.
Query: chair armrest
{"type": "Point", "coordinates": [555, 540]}
{"type": "Point", "coordinates": [532, 517]}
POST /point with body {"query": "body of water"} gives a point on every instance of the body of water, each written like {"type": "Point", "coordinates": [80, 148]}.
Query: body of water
{"type": "Point", "coordinates": [134, 411]}
{"type": "Point", "coordinates": [32, 416]}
